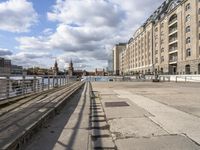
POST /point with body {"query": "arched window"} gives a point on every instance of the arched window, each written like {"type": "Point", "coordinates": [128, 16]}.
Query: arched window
{"type": "Point", "coordinates": [187, 7]}
{"type": "Point", "coordinates": [188, 52]}
{"type": "Point", "coordinates": [187, 29]}
{"type": "Point", "coordinates": [172, 18]}
{"type": "Point", "coordinates": [187, 69]}
{"type": "Point", "coordinates": [187, 18]}
{"type": "Point", "coordinates": [188, 40]}
{"type": "Point", "coordinates": [199, 68]}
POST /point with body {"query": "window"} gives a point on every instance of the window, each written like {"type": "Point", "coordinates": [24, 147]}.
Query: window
{"type": "Point", "coordinates": [187, 7]}
{"type": "Point", "coordinates": [156, 60]}
{"type": "Point", "coordinates": [162, 25]}
{"type": "Point", "coordinates": [162, 59]}
{"type": "Point", "coordinates": [188, 52]}
{"type": "Point", "coordinates": [188, 40]}
{"type": "Point", "coordinates": [162, 49]}
{"type": "Point", "coordinates": [187, 18]}
{"type": "Point", "coordinates": [156, 52]}
{"type": "Point", "coordinates": [187, 29]}
{"type": "Point", "coordinates": [199, 36]}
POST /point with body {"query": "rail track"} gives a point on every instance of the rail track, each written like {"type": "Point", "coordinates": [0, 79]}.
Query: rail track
{"type": "Point", "coordinates": [19, 122]}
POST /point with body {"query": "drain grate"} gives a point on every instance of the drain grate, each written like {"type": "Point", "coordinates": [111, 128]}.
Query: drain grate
{"type": "Point", "coordinates": [116, 104]}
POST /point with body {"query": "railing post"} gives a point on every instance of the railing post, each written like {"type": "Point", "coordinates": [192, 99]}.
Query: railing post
{"type": "Point", "coordinates": [34, 84]}
{"type": "Point", "coordinates": [48, 82]}
{"type": "Point", "coordinates": [7, 86]}
{"type": "Point", "coordinates": [23, 85]}
{"type": "Point", "coordinates": [60, 80]}
{"type": "Point", "coordinates": [53, 81]}
{"type": "Point", "coordinates": [42, 83]}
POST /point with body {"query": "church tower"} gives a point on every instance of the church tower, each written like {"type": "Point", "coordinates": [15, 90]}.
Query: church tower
{"type": "Point", "coordinates": [55, 68]}
{"type": "Point", "coordinates": [71, 69]}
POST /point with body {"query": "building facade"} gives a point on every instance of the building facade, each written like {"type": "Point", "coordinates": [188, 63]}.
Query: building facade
{"type": "Point", "coordinates": [116, 53]}
{"type": "Point", "coordinates": [167, 43]}
{"type": "Point", "coordinates": [5, 66]}
{"type": "Point", "coordinates": [16, 70]}
{"type": "Point", "coordinates": [55, 68]}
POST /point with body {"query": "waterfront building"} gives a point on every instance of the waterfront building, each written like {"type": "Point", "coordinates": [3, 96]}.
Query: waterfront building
{"type": "Point", "coordinates": [16, 70]}
{"type": "Point", "coordinates": [116, 51]}
{"type": "Point", "coordinates": [167, 43]}
{"type": "Point", "coordinates": [5, 66]}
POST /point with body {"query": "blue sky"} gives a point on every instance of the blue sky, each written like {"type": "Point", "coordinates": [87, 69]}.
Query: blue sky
{"type": "Point", "coordinates": [36, 32]}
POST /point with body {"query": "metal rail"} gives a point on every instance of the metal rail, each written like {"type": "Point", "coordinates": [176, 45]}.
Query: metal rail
{"type": "Point", "coordinates": [21, 116]}
{"type": "Point", "coordinates": [12, 86]}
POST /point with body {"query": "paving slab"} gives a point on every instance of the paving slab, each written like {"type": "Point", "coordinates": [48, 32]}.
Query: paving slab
{"type": "Point", "coordinates": [170, 142]}
{"type": "Point", "coordinates": [134, 127]}
{"type": "Point", "coordinates": [172, 120]}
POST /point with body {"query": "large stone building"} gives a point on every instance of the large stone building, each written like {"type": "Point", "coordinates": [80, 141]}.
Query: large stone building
{"type": "Point", "coordinates": [167, 43]}
{"type": "Point", "coordinates": [5, 66]}
{"type": "Point", "coordinates": [116, 52]}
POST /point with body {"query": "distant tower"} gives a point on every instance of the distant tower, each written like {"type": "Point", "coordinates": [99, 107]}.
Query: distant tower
{"type": "Point", "coordinates": [71, 69]}
{"type": "Point", "coordinates": [55, 68]}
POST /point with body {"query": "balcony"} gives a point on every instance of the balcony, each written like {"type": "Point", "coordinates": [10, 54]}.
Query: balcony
{"type": "Point", "coordinates": [173, 49]}
{"type": "Point", "coordinates": [173, 30]}
{"type": "Point", "coordinates": [173, 59]}
{"type": "Point", "coordinates": [172, 40]}
{"type": "Point", "coordinates": [172, 22]}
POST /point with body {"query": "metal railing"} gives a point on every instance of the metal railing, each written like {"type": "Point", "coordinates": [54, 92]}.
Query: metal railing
{"type": "Point", "coordinates": [180, 78]}
{"type": "Point", "coordinates": [11, 86]}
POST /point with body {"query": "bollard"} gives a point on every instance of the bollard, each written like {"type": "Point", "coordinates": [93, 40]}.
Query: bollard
{"type": "Point", "coordinates": [185, 78]}
{"type": "Point", "coordinates": [176, 79]}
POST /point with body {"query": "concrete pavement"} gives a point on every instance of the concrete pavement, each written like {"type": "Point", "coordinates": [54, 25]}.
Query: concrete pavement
{"type": "Point", "coordinates": [157, 116]}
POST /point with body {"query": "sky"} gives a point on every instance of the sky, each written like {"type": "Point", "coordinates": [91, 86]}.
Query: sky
{"type": "Point", "coordinates": [36, 32]}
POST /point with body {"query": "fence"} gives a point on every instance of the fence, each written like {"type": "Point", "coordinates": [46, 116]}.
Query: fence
{"type": "Point", "coordinates": [118, 78]}
{"type": "Point", "coordinates": [11, 86]}
{"type": "Point", "coordinates": [180, 78]}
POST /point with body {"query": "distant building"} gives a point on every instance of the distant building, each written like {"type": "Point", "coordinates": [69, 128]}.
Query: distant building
{"type": "Point", "coordinates": [100, 72]}
{"type": "Point", "coordinates": [116, 52]}
{"type": "Point", "coordinates": [55, 68]}
{"type": "Point", "coordinates": [110, 65]}
{"type": "Point", "coordinates": [71, 69]}
{"type": "Point", "coordinates": [17, 70]}
{"type": "Point", "coordinates": [5, 66]}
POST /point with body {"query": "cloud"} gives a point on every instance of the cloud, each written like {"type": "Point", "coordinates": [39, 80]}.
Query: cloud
{"type": "Point", "coordinates": [87, 12]}
{"type": "Point", "coordinates": [87, 30]}
{"type": "Point", "coordinates": [17, 15]}
{"type": "Point", "coordinates": [29, 59]}
{"type": "Point", "coordinates": [5, 52]}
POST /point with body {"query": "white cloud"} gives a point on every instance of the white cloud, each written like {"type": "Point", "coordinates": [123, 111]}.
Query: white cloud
{"type": "Point", "coordinates": [87, 12]}
{"type": "Point", "coordinates": [87, 30]}
{"type": "Point", "coordinates": [17, 15]}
